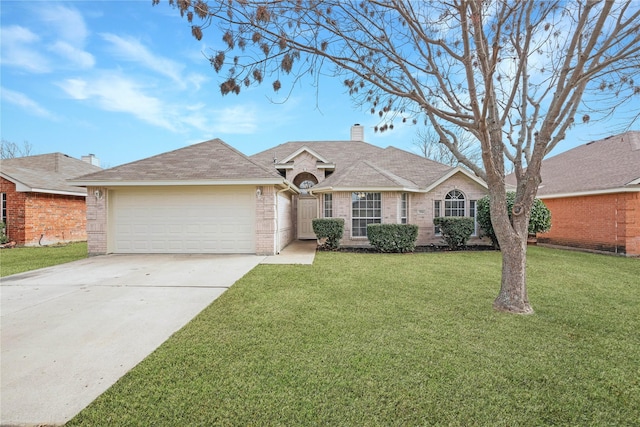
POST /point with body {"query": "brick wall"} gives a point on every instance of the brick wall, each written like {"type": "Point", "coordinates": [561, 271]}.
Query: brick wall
{"type": "Point", "coordinates": [266, 221]}
{"type": "Point", "coordinates": [40, 218]}
{"type": "Point", "coordinates": [15, 211]}
{"type": "Point", "coordinates": [97, 220]}
{"type": "Point", "coordinates": [608, 222]}
{"type": "Point", "coordinates": [420, 210]}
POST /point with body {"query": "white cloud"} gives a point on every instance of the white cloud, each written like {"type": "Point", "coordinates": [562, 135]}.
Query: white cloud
{"type": "Point", "coordinates": [60, 30]}
{"type": "Point", "coordinates": [74, 55]}
{"type": "Point", "coordinates": [130, 49]}
{"type": "Point", "coordinates": [26, 103]}
{"type": "Point", "coordinates": [113, 92]}
{"type": "Point", "coordinates": [67, 23]}
{"type": "Point", "coordinates": [236, 120]}
{"type": "Point", "coordinates": [19, 50]}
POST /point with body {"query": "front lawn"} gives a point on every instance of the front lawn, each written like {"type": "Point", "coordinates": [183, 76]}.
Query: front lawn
{"type": "Point", "coordinates": [18, 260]}
{"type": "Point", "coordinates": [383, 340]}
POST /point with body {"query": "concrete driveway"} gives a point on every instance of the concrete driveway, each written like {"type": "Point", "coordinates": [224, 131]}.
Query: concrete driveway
{"type": "Point", "coordinates": [71, 331]}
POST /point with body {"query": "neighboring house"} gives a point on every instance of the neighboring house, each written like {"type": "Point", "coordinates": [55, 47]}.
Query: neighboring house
{"type": "Point", "coordinates": [39, 206]}
{"type": "Point", "coordinates": [593, 193]}
{"type": "Point", "coordinates": [209, 197]}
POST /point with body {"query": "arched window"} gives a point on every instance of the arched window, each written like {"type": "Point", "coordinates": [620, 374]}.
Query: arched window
{"type": "Point", "coordinates": [454, 203]}
{"type": "Point", "coordinates": [304, 181]}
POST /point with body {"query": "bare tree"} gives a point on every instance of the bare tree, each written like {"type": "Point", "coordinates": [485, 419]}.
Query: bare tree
{"type": "Point", "coordinates": [511, 73]}
{"type": "Point", "coordinates": [429, 145]}
{"type": "Point", "coordinates": [10, 150]}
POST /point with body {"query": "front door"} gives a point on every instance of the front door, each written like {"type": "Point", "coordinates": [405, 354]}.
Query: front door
{"type": "Point", "coordinates": [307, 211]}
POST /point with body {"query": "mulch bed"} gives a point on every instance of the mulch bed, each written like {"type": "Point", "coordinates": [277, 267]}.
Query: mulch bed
{"type": "Point", "coordinates": [418, 249]}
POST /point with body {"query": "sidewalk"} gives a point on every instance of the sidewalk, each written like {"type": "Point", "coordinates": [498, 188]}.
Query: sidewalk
{"type": "Point", "coordinates": [297, 252]}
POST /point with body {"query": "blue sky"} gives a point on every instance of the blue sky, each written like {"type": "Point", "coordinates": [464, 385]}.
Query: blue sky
{"type": "Point", "coordinates": [124, 80]}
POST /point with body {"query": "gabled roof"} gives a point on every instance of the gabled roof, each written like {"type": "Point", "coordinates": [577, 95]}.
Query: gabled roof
{"type": "Point", "coordinates": [420, 170]}
{"type": "Point", "coordinates": [340, 153]}
{"type": "Point", "coordinates": [360, 165]}
{"type": "Point", "coordinates": [608, 165]}
{"type": "Point", "coordinates": [302, 150]}
{"type": "Point", "coordinates": [46, 173]}
{"type": "Point", "coordinates": [365, 175]}
{"type": "Point", "coordinates": [209, 162]}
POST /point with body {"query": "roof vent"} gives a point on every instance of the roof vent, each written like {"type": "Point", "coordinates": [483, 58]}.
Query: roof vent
{"type": "Point", "coordinates": [357, 132]}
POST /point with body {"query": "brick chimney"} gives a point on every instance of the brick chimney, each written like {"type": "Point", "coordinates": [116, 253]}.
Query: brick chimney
{"type": "Point", "coordinates": [357, 132]}
{"type": "Point", "coordinates": [91, 159]}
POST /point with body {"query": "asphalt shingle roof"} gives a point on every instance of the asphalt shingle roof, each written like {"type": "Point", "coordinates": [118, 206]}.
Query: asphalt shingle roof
{"type": "Point", "coordinates": [362, 165]}
{"type": "Point", "coordinates": [48, 172]}
{"type": "Point", "coordinates": [209, 160]}
{"type": "Point", "coordinates": [341, 153]}
{"type": "Point", "coordinates": [606, 164]}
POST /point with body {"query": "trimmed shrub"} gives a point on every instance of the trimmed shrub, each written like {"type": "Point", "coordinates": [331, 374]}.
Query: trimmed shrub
{"type": "Point", "coordinates": [456, 230]}
{"type": "Point", "coordinates": [393, 237]}
{"type": "Point", "coordinates": [3, 233]}
{"type": "Point", "coordinates": [331, 229]}
{"type": "Point", "coordinates": [540, 221]}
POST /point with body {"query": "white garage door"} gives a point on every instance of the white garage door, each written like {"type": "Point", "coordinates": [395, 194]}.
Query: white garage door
{"type": "Point", "coordinates": [182, 220]}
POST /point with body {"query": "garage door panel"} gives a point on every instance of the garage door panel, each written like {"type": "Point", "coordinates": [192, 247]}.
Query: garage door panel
{"type": "Point", "coordinates": [183, 220]}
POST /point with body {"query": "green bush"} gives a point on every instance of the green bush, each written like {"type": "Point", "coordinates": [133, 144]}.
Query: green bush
{"type": "Point", "coordinates": [393, 237]}
{"type": "Point", "coordinates": [331, 229]}
{"type": "Point", "coordinates": [455, 230]}
{"type": "Point", "coordinates": [3, 233]}
{"type": "Point", "coordinates": [540, 221]}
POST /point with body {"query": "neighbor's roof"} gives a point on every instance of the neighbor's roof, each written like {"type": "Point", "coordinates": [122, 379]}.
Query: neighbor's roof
{"type": "Point", "coordinates": [605, 166]}
{"type": "Point", "coordinates": [46, 173]}
{"type": "Point", "coordinates": [208, 162]}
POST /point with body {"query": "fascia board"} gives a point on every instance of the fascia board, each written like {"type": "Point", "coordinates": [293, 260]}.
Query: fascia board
{"type": "Point", "coordinates": [451, 173]}
{"type": "Point", "coordinates": [61, 192]}
{"type": "Point", "coordinates": [290, 185]}
{"type": "Point", "coordinates": [359, 189]}
{"type": "Point", "coordinates": [589, 193]}
{"type": "Point", "coordinates": [269, 181]}
{"type": "Point", "coordinates": [20, 186]}
{"type": "Point", "coordinates": [24, 188]}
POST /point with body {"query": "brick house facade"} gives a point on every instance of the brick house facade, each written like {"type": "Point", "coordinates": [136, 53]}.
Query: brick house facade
{"type": "Point", "coordinates": [606, 222]}
{"type": "Point", "coordinates": [41, 218]}
{"type": "Point", "coordinates": [593, 193]}
{"type": "Point", "coordinates": [41, 208]}
{"type": "Point", "coordinates": [192, 199]}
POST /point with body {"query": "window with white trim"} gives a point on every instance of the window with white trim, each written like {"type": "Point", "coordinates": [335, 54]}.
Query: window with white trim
{"type": "Point", "coordinates": [366, 208]}
{"type": "Point", "coordinates": [472, 214]}
{"type": "Point", "coordinates": [403, 208]}
{"type": "Point", "coordinates": [454, 203]}
{"type": "Point", "coordinates": [327, 207]}
{"type": "Point", "coordinates": [3, 204]}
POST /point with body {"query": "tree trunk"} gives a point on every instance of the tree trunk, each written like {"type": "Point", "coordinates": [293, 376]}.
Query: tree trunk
{"type": "Point", "coordinates": [513, 296]}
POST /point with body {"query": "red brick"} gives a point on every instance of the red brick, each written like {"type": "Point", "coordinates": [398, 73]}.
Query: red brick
{"type": "Point", "coordinates": [41, 218]}
{"type": "Point", "coordinates": [607, 222]}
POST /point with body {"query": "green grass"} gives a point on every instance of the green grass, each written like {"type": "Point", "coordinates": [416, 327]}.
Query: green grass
{"type": "Point", "coordinates": [18, 260]}
{"type": "Point", "coordinates": [390, 340]}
